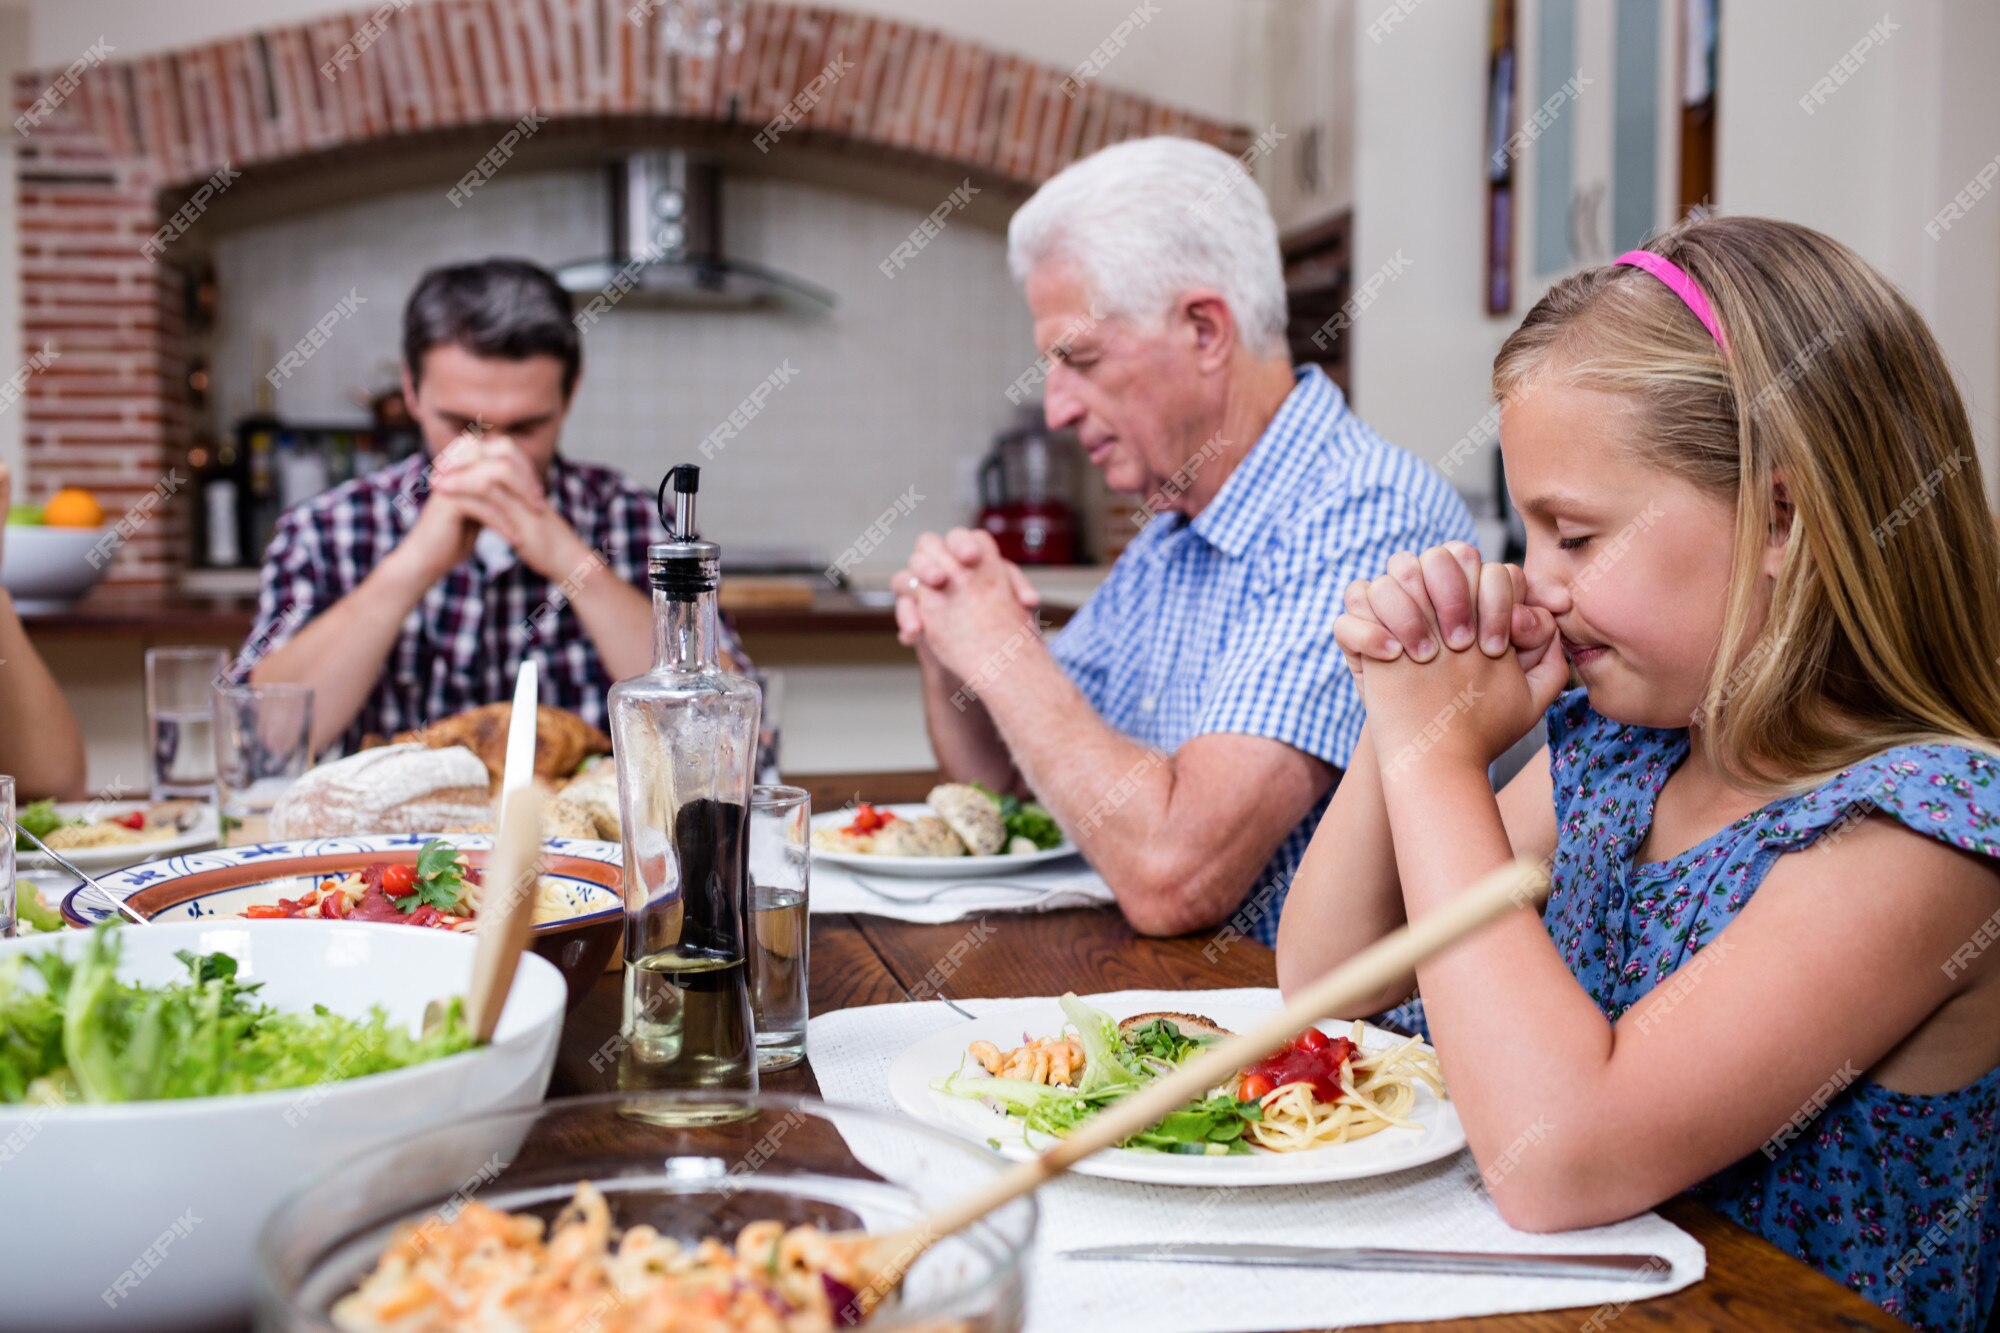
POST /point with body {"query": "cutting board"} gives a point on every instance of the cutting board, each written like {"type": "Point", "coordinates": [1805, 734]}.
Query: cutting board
{"type": "Point", "coordinates": [762, 592]}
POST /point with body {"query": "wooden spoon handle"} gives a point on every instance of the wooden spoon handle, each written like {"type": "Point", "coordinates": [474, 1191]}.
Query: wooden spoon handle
{"type": "Point", "coordinates": [1512, 886]}
{"type": "Point", "coordinates": [508, 889]}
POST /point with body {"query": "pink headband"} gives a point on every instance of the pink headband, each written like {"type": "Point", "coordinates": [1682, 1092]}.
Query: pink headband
{"type": "Point", "coordinates": [1677, 280]}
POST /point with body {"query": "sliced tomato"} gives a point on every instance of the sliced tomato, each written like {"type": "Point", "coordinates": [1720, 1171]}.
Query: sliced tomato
{"type": "Point", "coordinates": [261, 911]}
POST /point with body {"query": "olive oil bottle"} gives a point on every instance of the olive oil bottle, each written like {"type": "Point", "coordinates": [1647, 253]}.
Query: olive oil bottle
{"type": "Point", "coordinates": [685, 741]}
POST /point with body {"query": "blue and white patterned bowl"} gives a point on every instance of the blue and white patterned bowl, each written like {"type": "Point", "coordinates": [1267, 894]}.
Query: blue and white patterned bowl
{"type": "Point", "coordinates": [221, 883]}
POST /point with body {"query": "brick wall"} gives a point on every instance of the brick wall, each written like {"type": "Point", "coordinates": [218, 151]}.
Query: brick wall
{"type": "Point", "coordinates": [131, 140]}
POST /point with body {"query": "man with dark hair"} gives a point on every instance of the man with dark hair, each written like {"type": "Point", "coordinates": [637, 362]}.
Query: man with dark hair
{"type": "Point", "coordinates": [413, 593]}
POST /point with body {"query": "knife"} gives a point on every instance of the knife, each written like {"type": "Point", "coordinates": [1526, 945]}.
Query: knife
{"type": "Point", "coordinates": [1629, 1267]}
{"type": "Point", "coordinates": [520, 763]}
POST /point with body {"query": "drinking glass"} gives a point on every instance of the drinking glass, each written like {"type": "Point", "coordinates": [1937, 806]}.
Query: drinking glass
{"type": "Point", "coordinates": [263, 742]}
{"type": "Point", "coordinates": [180, 720]}
{"type": "Point", "coordinates": [6, 857]}
{"type": "Point", "coordinates": [780, 861]}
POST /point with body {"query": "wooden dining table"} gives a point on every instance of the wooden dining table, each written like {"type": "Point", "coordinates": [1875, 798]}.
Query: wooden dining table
{"type": "Point", "coordinates": [863, 960]}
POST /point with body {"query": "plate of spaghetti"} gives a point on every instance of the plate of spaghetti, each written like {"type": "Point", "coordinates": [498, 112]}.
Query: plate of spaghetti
{"type": "Point", "coordinates": [1341, 1101]}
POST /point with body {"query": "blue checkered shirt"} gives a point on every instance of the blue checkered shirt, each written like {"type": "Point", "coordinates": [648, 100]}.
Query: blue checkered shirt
{"type": "Point", "coordinates": [1224, 622]}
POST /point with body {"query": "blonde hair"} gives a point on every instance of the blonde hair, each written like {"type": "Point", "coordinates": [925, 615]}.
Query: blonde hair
{"type": "Point", "coordinates": [1883, 626]}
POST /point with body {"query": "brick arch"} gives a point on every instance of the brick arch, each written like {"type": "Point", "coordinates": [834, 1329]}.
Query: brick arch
{"type": "Point", "coordinates": [100, 173]}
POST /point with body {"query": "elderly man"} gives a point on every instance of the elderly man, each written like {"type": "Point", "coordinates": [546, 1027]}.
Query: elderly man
{"type": "Point", "coordinates": [1190, 723]}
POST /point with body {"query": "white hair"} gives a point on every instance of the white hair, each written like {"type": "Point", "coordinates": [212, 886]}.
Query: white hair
{"type": "Point", "coordinates": [1147, 220]}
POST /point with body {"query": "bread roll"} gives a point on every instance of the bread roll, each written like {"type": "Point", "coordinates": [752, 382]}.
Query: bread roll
{"type": "Point", "coordinates": [596, 790]}
{"type": "Point", "coordinates": [1191, 1025]}
{"type": "Point", "coordinates": [395, 789]}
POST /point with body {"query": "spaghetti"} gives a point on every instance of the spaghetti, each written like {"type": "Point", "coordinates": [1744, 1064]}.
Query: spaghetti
{"type": "Point", "coordinates": [1378, 1090]}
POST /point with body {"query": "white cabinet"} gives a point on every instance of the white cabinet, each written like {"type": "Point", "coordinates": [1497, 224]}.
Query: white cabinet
{"type": "Point", "coordinates": [1298, 82]}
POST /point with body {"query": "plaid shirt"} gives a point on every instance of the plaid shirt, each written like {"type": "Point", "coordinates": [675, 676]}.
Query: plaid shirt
{"type": "Point", "coordinates": [1224, 622]}
{"type": "Point", "coordinates": [461, 645]}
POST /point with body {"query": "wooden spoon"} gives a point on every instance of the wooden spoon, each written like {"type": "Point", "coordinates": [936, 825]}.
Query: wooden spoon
{"type": "Point", "coordinates": [887, 1258]}
{"type": "Point", "coordinates": [507, 893]}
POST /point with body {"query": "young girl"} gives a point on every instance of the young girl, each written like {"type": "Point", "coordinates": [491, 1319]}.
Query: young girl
{"type": "Point", "coordinates": [1758, 537]}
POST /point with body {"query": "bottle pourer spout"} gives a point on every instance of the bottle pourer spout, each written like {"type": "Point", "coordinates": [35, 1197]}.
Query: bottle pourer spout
{"type": "Point", "coordinates": [685, 479]}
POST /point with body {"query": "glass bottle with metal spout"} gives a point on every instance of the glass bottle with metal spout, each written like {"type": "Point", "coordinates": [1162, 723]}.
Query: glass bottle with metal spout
{"type": "Point", "coordinates": [685, 742]}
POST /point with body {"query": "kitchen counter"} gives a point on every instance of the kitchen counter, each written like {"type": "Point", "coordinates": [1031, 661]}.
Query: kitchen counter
{"type": "Point", "coordinates": [852, 698]}
{"type": "Point", "coordinates": [143, 611]}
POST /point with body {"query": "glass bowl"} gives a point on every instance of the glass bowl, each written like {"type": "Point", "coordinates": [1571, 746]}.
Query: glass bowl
{"type": "Point", "coordinates": [791, 1159]}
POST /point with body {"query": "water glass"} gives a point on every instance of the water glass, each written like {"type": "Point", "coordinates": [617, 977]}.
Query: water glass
{"type": "Point", "coordinates": [780, 864]}
{"type": "Point", "coordinates": [180, 720]}
{"type": "Point", "coordinates": [6, 857]}
{"type": "Point", "coordinates": [263, 742]}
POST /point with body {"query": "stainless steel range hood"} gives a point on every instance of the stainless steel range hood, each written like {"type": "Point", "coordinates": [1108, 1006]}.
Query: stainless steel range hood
{"type": "Point", "coordinates": [666, 245]}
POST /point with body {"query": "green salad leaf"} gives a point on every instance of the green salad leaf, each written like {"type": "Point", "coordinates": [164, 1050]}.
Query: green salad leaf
{"type": "Point", "coordinates": [1162, 1039]}
{"type": "Point", "coordinates": [32, 912]}
{"type": "Point", "coordinates": [39, 818]}
{"type": "Point", "coordinates": [1025, 819]}
{"type": "Point", "coordinates": [1210, 1128]}
{"type": "Point", "coordinates": [1115, 1065]}
{"type": "Point", "coordinates": [84, 1035]}
{"type": "Point", "coordinates": [1106, 1062]}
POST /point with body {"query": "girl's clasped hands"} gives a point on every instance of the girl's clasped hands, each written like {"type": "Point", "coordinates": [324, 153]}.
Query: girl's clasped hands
{"type": "Point", "coordinates": [1453, 662]}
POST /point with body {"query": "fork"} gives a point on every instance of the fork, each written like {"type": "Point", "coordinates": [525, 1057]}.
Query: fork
{"type": "Point", "coordinates": [929, 895]}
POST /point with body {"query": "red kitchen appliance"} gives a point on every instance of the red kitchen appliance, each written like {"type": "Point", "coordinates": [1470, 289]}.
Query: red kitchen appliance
{"type": "Point", "coordinates": [1025, 489]}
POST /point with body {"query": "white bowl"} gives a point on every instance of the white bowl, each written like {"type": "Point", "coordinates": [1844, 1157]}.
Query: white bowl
{"type": "Point", "coordinates": [146, 1215]}
{"type": "Point", "coordinates": [45, 569]}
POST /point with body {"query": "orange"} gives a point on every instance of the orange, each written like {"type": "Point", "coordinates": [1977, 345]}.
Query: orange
{"type": "Point", "coordinates": [73, 507]}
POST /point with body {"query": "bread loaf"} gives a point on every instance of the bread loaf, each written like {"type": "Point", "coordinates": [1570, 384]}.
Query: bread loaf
{"type": "Point", "coordinates": [562, 739]}
{"type": "Point", "coordinates": [394, 789]}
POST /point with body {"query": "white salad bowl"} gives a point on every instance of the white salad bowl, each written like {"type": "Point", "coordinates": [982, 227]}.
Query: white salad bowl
{"type": "Point", "coordinates": [146, 1215]}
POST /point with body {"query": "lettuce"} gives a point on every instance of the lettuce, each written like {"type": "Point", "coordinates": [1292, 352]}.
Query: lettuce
{"type": "Point", "coordinates": [1115, 1065]}
{"type": "Point", "coordinates": [39, 818]}
{"type": "Point", "coordinates": [31, 912]}
{"type": "Point", "coordinates": [1105, 1057]}
{"type": "Point", "coordinates": [1024, 819]}
{"type": "Point", "coordinates": [30, 1027]}
{"type": "Point", "coordinates": [87, 1036]}
{"type": "Point", "coordinates": [1050, 1109]}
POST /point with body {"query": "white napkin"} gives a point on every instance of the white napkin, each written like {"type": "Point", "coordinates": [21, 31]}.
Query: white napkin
{"type": "Point", "coordinates": [1069, 882]}
{"type": "Point", "coordinates": [1442, 1206]}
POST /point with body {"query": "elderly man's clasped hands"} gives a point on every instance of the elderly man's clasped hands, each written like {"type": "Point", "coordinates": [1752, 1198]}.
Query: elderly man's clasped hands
{"type": "Point", "coordinates": [961, 601]}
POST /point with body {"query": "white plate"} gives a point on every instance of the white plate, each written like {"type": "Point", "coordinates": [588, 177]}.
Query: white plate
{"type": "Point", "coordinates": [1437, 1133]}
{"type": "Point", "coordinates": [204, 832]}
{"type": "Point", "coordinates": [929, 867]}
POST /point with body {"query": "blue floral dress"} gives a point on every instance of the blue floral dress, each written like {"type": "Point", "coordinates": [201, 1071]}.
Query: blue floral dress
{"type": "Point", "coordinates": [1896, 1195]}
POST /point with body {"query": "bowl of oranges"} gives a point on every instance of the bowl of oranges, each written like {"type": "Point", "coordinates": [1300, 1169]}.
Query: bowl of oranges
{"type": "Point", "coordinates": [51, 553]}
